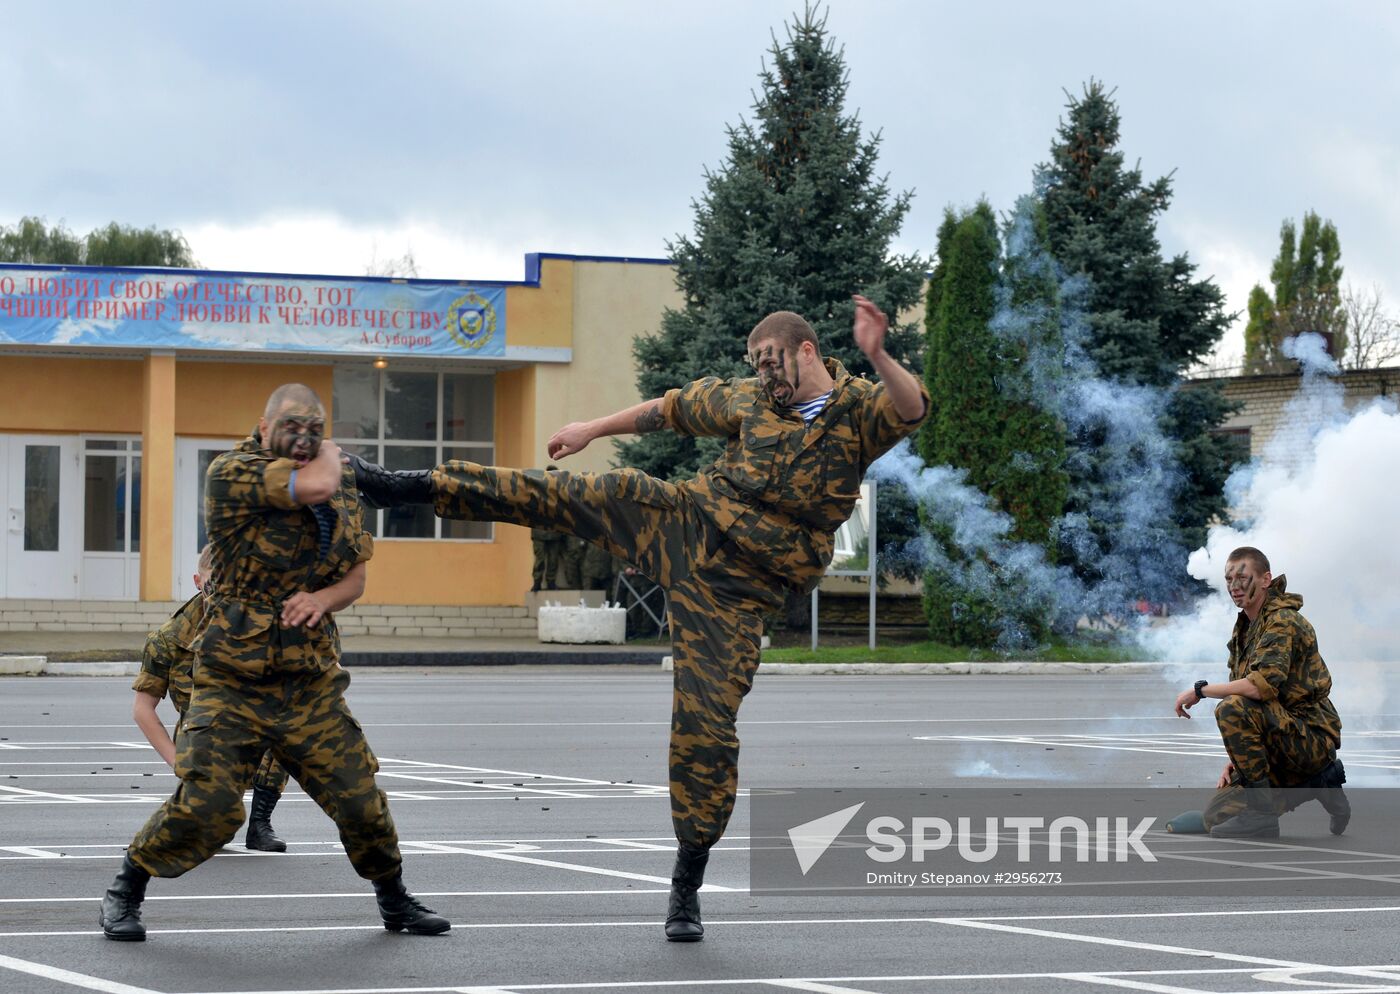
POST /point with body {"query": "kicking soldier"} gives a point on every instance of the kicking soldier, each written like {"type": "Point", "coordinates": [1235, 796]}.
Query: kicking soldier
{"type": "Point", "coordinates": [167, 668]}
{"type": "Point", "coordinates": [284, 522]}
{"type": "Point", "coordinates": [726, 545]}
{"type": "Point", "coordinates": [1275, 715]}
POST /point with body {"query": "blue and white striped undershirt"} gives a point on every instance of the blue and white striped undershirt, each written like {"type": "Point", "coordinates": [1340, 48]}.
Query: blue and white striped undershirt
{"type": "Point", "coordinates": [811, 408]}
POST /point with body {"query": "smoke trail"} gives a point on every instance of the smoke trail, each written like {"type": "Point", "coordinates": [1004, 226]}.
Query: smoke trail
{"type": "Point", "coordinates": [1320, 502]}
{"type": "Point", "coordinates": [1122, 525]}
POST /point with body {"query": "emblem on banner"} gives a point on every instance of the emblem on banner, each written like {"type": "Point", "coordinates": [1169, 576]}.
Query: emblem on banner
{"type": "Point", "coordinates": [471, 321]}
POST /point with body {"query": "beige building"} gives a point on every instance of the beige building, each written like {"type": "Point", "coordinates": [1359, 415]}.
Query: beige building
{"type": "Point", "coordinates": [104, 440]}
{"type": "Point", "coordinates": [1264, 398]}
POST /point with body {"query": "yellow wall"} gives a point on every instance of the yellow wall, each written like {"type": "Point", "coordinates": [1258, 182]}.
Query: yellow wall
{"type": "Point", "coordinates": [67, 395]}
{"type": "Point", "coordinates": [593, 308]}
{"type": "Point", "coordinates": [612, 304]}
{"type": "Point", "coordinates": [226, 398]}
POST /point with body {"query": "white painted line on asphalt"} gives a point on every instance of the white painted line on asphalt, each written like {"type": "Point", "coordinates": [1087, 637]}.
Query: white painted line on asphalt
{"type": "Point", "coordinates": [578, 867]}
{"type": "Point", "coordinates": [1222, 972]}
{"type": "Point", "coordinates": [21, 794]}
{"type": "Point", "coordinates": [814, 986]}
{"type": "Point", "coordinates": [1098, 980]}
{"type": "Point", "coordinates": [1079, 719]}
{"type": "Point", "coordinates": [69, 977]}
{"type": "Point", "coordinates": [1103, 940]}
{"type": "Point", "coordinates": [30, 851]}
{"type": "Point", "coordinates": [521, 789]}
{"type": "Point", "coordinates": [514, 773]}
{"type": "Point", "coordinates": [969, 921]}
{"type": "Point", "coordinates": [357, 895]}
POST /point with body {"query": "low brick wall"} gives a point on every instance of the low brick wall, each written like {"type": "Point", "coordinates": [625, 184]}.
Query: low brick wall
{"type": "Point", "coordinates": [372, 619]}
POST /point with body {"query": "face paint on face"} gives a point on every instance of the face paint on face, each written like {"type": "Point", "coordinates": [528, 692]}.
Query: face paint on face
{"type": "Point", "coordinates": [779, 378]}
{"type": "Point", "coordinates": [1243, 583]}
{"type": "Point", "coordinates": [297, 433]}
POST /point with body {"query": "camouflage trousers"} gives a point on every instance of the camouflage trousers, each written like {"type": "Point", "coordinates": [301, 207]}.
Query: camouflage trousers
{"type": "Point", "coordinates": [1266, 743]}
{"type": "Point", "coordinates": [717, 601]}
{"type": "Point", "coordinates": [233, 721]}
{"type": "Point", "coordinates": [269, 775]}
{"type": "Point", "coordinates": [548, 555]}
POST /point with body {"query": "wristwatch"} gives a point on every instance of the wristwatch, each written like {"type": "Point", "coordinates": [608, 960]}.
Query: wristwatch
{"type": "Point", "coordinates": [1200, 685]}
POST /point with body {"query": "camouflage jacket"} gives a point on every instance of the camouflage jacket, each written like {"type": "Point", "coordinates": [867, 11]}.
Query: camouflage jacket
{"type": "Point", "coordinates": [1278, 654]}
{"type": "Point", "coordinates": [266, 548]}
{"type": "Point", "coordinates": [167, 661]}
{"type": "Point", "coordinates": [783, 487]}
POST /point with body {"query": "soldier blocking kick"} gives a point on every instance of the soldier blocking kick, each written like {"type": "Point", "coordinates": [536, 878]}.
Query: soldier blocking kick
{"type": "Point", "coordinates": [284, 523]}
{"type": "Point", "coordinates": [726, 545]}
{"type": "Point", "coordinates": [1275, 715]}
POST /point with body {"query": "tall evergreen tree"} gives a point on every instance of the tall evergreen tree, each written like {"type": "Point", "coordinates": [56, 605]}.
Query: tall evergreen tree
{"type": "Point", "coordinates": [1148, 318]}
{"type": "Point", "coordinates": [1307, 280]}
{"type": "Point", "coordinates": [993, 331]}
{"type": "Point", "coordinates": [796, 218]}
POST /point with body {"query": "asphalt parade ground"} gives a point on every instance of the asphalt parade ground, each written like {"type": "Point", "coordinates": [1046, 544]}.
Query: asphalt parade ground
{"type": "Point", "coordinates": [533, 812]}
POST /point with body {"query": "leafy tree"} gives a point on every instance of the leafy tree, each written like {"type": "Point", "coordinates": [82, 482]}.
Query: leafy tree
{"type": "Point", "coordinates": [1307, 281]}
{"type": "Point", "coordinates": [796, 218]}
{"type": "Point", "coordinates": [33, 241]}
{"type": "Point", "coordinates": [1149, 319]}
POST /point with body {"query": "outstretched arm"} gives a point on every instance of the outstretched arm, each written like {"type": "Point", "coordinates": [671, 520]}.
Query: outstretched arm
{"type": "Point", "coordinates": [639, 419]}
{"type": "Point", "coordinates": [871, 324]}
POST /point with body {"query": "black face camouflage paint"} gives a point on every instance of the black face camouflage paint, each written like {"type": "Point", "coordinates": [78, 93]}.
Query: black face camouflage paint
{"type": "Point", "coordinates": [779, 381]}
{"type": "Point", "coordinates": [297, 434]}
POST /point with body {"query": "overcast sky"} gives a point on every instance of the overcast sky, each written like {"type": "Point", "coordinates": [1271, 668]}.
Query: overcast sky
{"type": "Point", "coordinates": [313, 137]}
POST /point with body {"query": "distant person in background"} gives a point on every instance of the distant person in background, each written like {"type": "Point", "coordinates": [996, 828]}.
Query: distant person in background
{"type": "Point", "coordinates": [1275, 715]}
{"type": "Point", "coordinates": [548, 547]}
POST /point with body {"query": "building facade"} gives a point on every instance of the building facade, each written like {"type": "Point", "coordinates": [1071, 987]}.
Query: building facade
{"type": "Point", "coordinates": [111, 408]}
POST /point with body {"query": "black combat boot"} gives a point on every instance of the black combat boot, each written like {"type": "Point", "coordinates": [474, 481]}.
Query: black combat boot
{"type": "Point", "coordinates": [121, 905]}
{"type": "Point", "coordinates": [380, 487]}
{"type": "Point", "coordinates": [683, 913]}
{"type": "Point", "coordinates": [1328, 782]}
{"type": "Point", "coordinates": [260, 834]}
{"type": "Point", "coordinates": [1257, 821]}
{"type": "Point", "coordinates": [401, 910]}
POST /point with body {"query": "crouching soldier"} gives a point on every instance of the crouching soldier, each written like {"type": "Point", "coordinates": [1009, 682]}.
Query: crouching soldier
{"type": "Point", "coordinates": [1275, 715]}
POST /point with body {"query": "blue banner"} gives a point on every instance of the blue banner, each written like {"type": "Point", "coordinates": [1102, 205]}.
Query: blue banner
{"type": "Point", "coordinates": [195, 309]}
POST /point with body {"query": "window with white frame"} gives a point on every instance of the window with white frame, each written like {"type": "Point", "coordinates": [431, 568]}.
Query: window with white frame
{"type": "Point", "coordinates": [416, 420]}
{"type": "Point", "coordinates": [112, 495]}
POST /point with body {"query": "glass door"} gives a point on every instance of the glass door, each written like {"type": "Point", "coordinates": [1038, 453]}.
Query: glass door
{"type": "Point", "coordinates": [41, 516]}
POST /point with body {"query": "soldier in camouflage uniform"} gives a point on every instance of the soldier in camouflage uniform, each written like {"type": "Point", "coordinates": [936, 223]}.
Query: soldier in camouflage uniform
{"type": "Point", "coordinates": [167, 667]}
{"type": "Point", "coordinates": [284, 523]}
{"type": "Point", "coordinates": [548, 546]}
{"type": "Point", "coordinates": [1277, 720]}
{"type": "Point", "coordinates": [727, 545]}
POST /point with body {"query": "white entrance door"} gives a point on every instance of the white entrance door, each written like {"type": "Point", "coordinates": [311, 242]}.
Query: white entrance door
{"type": "Point", "coordinates": [192, 459]}
{"type": "Point", "coordinates": [43, 517]}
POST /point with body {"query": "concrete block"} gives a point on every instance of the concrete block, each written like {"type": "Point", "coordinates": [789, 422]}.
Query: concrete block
{"type": "Point", "coordinates": [22, 665]}
{"type": "Point", "coordinates": [92, 669]}
{"type": "Point", "coordinates": [582, 625]}
{"type": "Point", "coordinates": [380, 630]}
{"type": "Point", "coordinates": [668, 663]}
{"type": "Point", "coordinates": [434, 632]}
{"type": "Point", "coordinates": [408, 630]}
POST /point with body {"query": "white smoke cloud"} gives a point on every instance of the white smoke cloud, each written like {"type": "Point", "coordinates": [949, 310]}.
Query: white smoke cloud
{"type": "Point", "coordinates": [1321, 504]}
